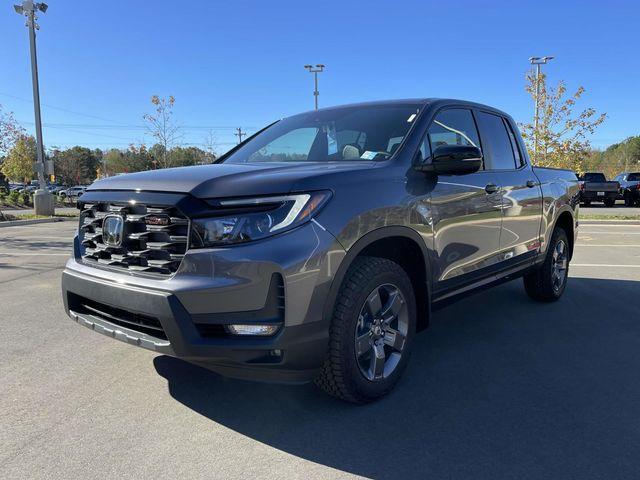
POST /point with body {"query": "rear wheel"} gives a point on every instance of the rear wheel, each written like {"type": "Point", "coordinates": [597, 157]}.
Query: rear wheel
{"type": "Point", "coordinates": [609, 202]}
{"type": "Point", "coordinates": [628, 200]}
{"type": "Point", "coordinates": [373, 325]}
{"type": "Point", "coordinates": [547, 283]}
{"type": "Point", "coordinates": [586, 203]}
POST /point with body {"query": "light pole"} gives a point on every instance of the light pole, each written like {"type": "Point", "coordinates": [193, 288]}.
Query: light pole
{"type": "Point", "coordinates": [42, 199]}
{"type": "Point", "coordinates": [318, 69]}
{"type": "Point", "coordinates": [537, 61]}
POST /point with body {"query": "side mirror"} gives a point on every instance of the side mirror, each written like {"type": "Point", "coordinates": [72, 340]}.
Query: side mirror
{"type": "Point", "coordinates": [453, 160]}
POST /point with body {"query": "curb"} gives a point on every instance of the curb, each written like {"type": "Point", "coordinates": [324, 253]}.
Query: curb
{"type": "Point", "coordinates": [14, 223]}
{"type": "Point", "coordinates": [609, 222]}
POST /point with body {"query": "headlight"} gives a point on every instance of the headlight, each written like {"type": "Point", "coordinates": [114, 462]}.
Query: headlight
{"type": "Point", "coordinates": [243, 220]}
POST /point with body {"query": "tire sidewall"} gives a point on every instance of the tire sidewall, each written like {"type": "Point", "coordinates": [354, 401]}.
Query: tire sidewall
{"type": "Point", "coordinates": [559, 235]}
{"type": "Point", "coordinates": [374, 389]}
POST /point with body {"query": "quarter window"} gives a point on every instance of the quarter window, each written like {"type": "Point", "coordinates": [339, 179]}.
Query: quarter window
{"type": "Point", "coordinates": [499, 153]}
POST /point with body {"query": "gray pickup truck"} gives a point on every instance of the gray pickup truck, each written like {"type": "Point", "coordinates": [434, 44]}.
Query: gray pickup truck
{"type": "Point", "coordinates": [318, 247]}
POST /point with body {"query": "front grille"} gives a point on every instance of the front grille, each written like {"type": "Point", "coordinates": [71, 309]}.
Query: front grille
{"type": "Point", "coordinates": [154, 238]}
{"type": "Point", "coordinates": [133, 321]}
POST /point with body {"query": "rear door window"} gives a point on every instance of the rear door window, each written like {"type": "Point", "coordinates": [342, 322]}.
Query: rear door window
{"type": "Point", "coordinates": [498, 146]}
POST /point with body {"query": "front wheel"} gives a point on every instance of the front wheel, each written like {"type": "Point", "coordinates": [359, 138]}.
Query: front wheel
{"type": "Point", "coordinates": [372, 328]}
{"type": "Point", "coordinates": [547, 283]}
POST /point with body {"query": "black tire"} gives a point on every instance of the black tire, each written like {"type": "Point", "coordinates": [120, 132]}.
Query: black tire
{"type": "Point", "coordinates": [342, 375]}
{"type": "Point", "coordinates": [586, 203]}
{"type": "Point", "coordinates": [540, 284]}
{"type": "Point", "coordinates": [609, 202]}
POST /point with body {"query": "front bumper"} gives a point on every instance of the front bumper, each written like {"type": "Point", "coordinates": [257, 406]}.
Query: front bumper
{"type": "Point", "coordinates": [215, 287]}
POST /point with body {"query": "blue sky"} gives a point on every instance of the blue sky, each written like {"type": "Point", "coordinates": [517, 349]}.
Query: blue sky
{"type": "Point", "coordinates": [235, 64]}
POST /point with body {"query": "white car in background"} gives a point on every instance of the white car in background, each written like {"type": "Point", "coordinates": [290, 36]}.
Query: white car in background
{"type": "Point", "coordinates": [73, 192]}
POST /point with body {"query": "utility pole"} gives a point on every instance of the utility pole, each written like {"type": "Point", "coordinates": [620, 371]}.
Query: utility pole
{"type": "Point", "coordinates": [537, 61]}
{"type": "Point", "coordinates": [319, 68]}
{"type": "Point", "coordinates": [42, 199]}
{"type": "Point", "coordinates": [239, 133]}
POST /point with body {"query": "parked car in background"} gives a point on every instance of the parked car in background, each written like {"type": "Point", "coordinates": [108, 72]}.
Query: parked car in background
{"type": "Point", "coordinates": [16, 187]}
{"type": "Point", "coordinates": [594, 187]}
{"type": "Point", "coordinates": [630, 188]}
{"type": "Point", "coordinates": [56, 189]}
{"type": "Point", "coordinates": [315, 249]}
{"type": "Point", "coordinates": [73, 193]}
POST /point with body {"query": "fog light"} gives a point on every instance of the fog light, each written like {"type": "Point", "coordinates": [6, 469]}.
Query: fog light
{"type": "Point", "coordinates": [252, 329]}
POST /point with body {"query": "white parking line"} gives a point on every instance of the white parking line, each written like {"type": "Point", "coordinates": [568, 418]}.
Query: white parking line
{"type": "Point", "coordinates": [20, 254]}
{"type": "Point", "coordinates": [609, 245]}
{"type": "Point", "coordinates": [602, 265]}
{"type": "Point", "coordinates": [613, 233]}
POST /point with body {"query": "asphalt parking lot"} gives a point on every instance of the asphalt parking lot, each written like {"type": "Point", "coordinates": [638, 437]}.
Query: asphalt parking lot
{"type": "Point", "coordinates": [498, 387]}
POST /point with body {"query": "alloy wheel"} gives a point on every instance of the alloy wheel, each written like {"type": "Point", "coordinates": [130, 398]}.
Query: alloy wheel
{"type": "Point", "coordinates": [381, 332]}
{"type": "Point", "coordinates": [559, 264]}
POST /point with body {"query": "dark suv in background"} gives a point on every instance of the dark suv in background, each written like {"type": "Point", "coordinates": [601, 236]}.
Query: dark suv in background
{"type": "Point", "coordinates": [316, 249]}
{"type": "Point", "coordinates": [630, 188]}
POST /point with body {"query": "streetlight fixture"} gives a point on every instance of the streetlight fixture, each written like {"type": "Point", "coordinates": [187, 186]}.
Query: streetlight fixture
{"type": "Point", "coordinates": [318, 69]}
{"type": "Point", "coordinates": [537, 61]}
{"type": "Point", "coordinates": [42, 199]}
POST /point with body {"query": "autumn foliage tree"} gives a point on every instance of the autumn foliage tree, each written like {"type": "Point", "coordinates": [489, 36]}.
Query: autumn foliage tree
{"type": "Point", "coordinates": [562, 132]}
{"type": "Point", "coordinates": [162, 127]}
{"type": "Point", "coordinates": [18, 164]}
{"type": "Point", "coordinates": [10, 131]}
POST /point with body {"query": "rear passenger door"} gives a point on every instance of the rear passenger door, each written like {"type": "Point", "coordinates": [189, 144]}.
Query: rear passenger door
{"type": "Point", "coordinates": [521, 194]}
{"type": "Point", "coordinates": [466, 208]}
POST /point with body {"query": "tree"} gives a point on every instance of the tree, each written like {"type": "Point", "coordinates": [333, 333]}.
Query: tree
{"type": "Point", "coordinates": [562, 134]}
{"type": "Point", "coordinates": [161, 126]}
{"type": "Point", "coordinates": [76, 165]}
{"type": "Point", "coordinates": [187, 156]}
{"type": "Point", "coordinates": [18, 165]}
{"type": "Point", "coordinates": [10, 131]}
{"type": "Point", "coordinates": [210, 147]}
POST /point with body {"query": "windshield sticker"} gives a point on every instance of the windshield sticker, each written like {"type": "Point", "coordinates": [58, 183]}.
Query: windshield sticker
{"type": "Point", "coordinates": [368, 155]}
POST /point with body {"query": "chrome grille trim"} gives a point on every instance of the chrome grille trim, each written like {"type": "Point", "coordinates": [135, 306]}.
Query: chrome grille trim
{"type": "Point", "coordinates": [146, 248]}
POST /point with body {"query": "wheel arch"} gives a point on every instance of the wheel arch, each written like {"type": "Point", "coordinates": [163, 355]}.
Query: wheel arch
{"type": "Point", "coordinates": [566, 221]}
{"type": "Point", "coordinates": [399, 244]}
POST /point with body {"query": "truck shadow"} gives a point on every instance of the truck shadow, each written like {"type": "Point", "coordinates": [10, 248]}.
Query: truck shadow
{"type": "Point", "coordinates": [499, 386]}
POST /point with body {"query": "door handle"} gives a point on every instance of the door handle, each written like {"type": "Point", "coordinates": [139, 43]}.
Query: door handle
{"type": "Point", "coordinates": [531, 183]}
{"type": "Point", "coordinates": [491, 188]}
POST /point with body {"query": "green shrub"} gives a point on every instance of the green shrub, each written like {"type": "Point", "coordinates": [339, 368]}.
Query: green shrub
{"type": "Point", "coordinates": [14, 196]}
{"type": "Point", "coordinates": [25, 198]}
{"type": "Point", "coordinates": [3, 191]}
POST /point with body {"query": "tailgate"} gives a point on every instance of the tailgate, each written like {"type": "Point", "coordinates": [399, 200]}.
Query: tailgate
{"type": "Point", "coordinates": [602, 186]}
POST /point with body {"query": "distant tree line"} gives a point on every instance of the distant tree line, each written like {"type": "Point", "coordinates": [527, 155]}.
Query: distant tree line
{"type": "Point", "coordinates": [617, 158]}
{"type": "Point", "coordinates": [82, 165]}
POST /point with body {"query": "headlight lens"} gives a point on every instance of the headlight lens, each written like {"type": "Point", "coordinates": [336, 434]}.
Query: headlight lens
{"type": "Point", "coordinates": [245, 220]}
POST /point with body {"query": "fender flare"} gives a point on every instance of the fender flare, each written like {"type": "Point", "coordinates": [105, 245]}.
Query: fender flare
{"type": "Point", "coordinates": [362, 243]}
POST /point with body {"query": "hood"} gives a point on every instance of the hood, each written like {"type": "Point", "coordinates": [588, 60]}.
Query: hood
{"type": "Point", "coordinates": [232, 180]}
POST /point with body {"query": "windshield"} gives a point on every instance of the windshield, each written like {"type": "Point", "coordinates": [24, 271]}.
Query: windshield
{"type": "Point", "coordinates": [594, 177]}
{"type": "Point", "coordinates": [340, 134]}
